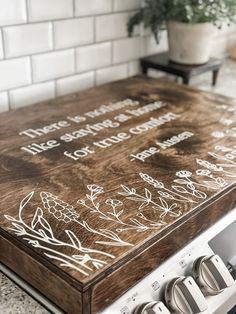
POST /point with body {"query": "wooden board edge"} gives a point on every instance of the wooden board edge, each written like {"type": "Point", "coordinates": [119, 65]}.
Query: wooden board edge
{"type": "Point", "coordinates": [114, 285]}
{"type": "Point", "coordinates": [41, 278]}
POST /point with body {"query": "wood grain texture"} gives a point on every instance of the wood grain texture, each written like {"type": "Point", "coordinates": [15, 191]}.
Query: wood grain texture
{"type": "Point", "coordinates": [41, 278]}
{"type": "Point", "coordinates": [141, 264]}
{"type": "Point", "coordinates": [170, 156]}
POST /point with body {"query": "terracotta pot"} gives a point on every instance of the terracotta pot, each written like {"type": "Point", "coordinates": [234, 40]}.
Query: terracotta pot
{"type": "Point", "coordinates": [190, 43]}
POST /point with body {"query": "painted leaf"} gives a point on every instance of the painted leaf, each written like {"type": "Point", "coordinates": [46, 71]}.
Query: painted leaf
{"type": "Point", "coordinates": [25, 201]}
{"type": "Point", "coordinates": [226, 166]}
{"type": "Point", "coordinates": [212, 184]}
{"type": "Point", "coordinates": [221, 181]}
{"type": "Point", "coordinates": [120, 213]}
{"type": "Point", "coordinates": [191, 186]}
{"type": "Point", "coordinates": [164, 203]}
{"type": "Point", "coordinates": [111, 234]}
{"type": "Point", "coordinates": [10, 218]}
{"type": "Point", "coordinates": [173, 206]}
{"type": "Point", "coordinates": [74, 240]}
{"type": "Point", "coordinates": [148, 194]}
{"type": "Point", "coordinates": [18, 227]}
{"type": "Point", "coordinates": [45, 224]}
{"type": "Point", "coordinates": [173, 214]}
{"type": "Point", "coordinates": [199, 194]}
{"type": "Point", "coordinates": [125, 188]}
{"type": "Point", "coordinates": [143, 205]}
{"type": "Point", "coordinates": [179, 189]}
{"type": "Point", "coordinates": [35, 220]}
{"type": "Point", "coordinates": [181, 181]}
{"type": "Point", "coordinates": [136, 198]}
{"type": "Point", "coordinates": [43, 233]}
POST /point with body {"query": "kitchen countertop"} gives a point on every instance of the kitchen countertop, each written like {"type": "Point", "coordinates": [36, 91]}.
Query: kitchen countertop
{"type": "Point", "coordinates": [14, 300]}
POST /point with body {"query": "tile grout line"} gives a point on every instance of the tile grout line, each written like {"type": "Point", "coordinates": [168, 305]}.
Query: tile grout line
{"type": "Point", "coordinates": [29, 22]}
{"type": "Point", "coordinates": [73, 47]}
{"type": "Point", "coordinates": [3, 45]}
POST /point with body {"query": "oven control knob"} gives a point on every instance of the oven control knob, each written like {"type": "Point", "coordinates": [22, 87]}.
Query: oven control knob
{"type": "Point", "coordinates": [211, 274]}
{"type": "Point", "coordinates": [183, 296]}
{"type": "Point", "coordinates": [152, 308]}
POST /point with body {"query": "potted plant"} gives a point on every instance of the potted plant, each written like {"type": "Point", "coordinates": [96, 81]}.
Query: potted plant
{"type": "Point", "coordinates": [189, 23]}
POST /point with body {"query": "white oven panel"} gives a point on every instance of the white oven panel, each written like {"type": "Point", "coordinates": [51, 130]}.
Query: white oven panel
{"type": "Point", "coordinates": [152, 287]}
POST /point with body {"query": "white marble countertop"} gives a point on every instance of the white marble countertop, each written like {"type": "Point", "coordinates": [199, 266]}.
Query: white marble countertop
{"type": "Point", "coordinates": [14, 300]}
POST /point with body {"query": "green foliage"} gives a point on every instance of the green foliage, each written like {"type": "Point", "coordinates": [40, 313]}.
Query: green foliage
{"type": "Point", "coordinates": [155, 13]}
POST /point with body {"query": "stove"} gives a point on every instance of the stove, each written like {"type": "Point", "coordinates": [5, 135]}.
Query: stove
{"type": "Point", "coordinates": [175, 286]}
{"type": "Point", "coordinates": [121, 199]}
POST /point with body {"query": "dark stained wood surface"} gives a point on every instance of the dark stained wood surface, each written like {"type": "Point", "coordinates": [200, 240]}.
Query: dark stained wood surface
{"type": "Point", "coordinates": [89, 221]}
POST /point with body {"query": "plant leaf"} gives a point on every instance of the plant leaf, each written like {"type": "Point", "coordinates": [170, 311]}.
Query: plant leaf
{"type": "Point", "coordinates": [126, 189]}
{"type": "Point", "coordinates": [18, 227]}
{"type": "Point", "coordinates": [10, 218]}
{"type": "Point", "coordinates": [199, 194]}
{"type": "Point", "coordinates": [25, 201]}
{"type": "Point", "coordinates": [111, 234]}
{"type": "Point", "coordinates": [173, 206]}
{"type": "Point", "coordinates": [143, 205]}
{"type": "Point", "coordinates": [120, 213]}
{"type": "Point", "coordinates": [221, 181]}
{"type": "Point", "coordinates": [35, 220]}
{"type": "Point", "coordinates": [45, 224]}
{"type": "Point", "coordinates": [181, 181]}
{"type": "Point", "coordinates": [164, 203]}
{"type": "Point", "coordinates": [137, 199]}
{"type": "Point", "coordinates": [148, 194]}
{"type": "Point", "coordinates": [74, 240]}
{"type": "Point", "coordinates": [179, 189]}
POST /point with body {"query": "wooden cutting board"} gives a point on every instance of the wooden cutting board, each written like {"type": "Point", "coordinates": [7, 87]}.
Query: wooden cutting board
{"type": "Point", "coordinates": [99, 187]}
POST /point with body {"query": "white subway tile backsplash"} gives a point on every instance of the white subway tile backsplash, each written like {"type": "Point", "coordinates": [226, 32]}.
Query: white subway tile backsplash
{"type": "Point", "coordinates": [73, 32]}
{"type": "Point", "coordinates": [113, 73]}
{"type": "Point", "coordinates": [53, 65]}
{"type": "Point", "coordinates": [93, 56]}
{"type": "Point", "coordinates": [75, 83]}
{"type": "Point", "coordinates": [12, 12]}
{"type": "Point", "coordinates": [4, 105]}
{"type": "Point", "coordinates": [1, 46]}
{"type": "Point", "coordinates": [219, 47]}
{"type": "Point", "coordinates": [134, 68]}
{"type": "Point", "coordinates": [27, 39]}
{"type": "Point", "coordinates": [61, 46]}
{"type": "Point", "coordinates": [32, 94]}
{"type": "Point", "coordinates": [122, 5]}
{"type": "Point", "coordinates": [111, 26]}
{"type": "Point", "coordinates": [231, 42]}
{"type": "Point", "coordinates": [14, 73]}
{"type": "Point", "coordinates": [41, 10]}
{"type": "Point", "coordinates": [91, 7]}
{"type": "Point", "coordinates": [127, 49]}
{"type": "Point", "coordinates": [150, 46]}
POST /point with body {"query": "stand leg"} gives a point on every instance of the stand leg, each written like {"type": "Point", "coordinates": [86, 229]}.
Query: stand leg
{"type": "Point", "coordinates": [144, 69]}
{"type": "Point", "coordinates": [186, 79]}
{"type": "Point", "coordinates": [214, 77]}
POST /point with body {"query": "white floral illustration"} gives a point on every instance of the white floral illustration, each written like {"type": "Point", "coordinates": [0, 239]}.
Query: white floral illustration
{"type": "Point", "coordinates": [40, 235]}
{"type": "Point", "coordinates": [222, 162]}
{"type": "Point", "coordinates": [115, 211]}
{"type": "Point", "coordinates": [146, 200]}
{"type": "Point", "coordinates": [185, 178]}
{"type": "Point", "coordinates": [163, 191]}
{"type": "Point", "coordinates": [63, 211]}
